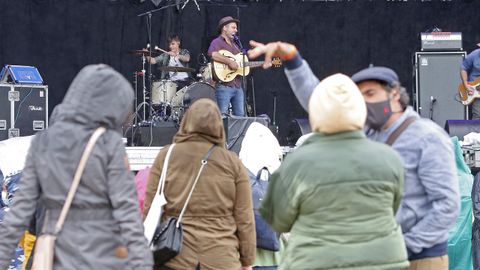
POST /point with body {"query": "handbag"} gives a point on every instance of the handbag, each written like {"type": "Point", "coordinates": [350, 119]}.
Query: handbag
{"type": "Point", "coordinates": [167, 241]}
{"type": "Point", "coordinates": [267, 238]}
{"type": "Point", "coordinates": [45, 244]}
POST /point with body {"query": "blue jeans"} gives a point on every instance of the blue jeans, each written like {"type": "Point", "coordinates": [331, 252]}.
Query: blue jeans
{"type": "Point", "coordinates": [226, 95]}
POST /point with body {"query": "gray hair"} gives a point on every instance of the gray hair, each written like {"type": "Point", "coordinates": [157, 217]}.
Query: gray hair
{"type": "Point", "coordinates": [404, 97]}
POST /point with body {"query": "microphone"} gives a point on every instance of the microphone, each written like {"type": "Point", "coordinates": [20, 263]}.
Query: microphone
{"type": "Point", "coordinates": [432, 99]}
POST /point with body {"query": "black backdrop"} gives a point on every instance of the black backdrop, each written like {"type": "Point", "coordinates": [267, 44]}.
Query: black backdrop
{"type": "Point", "coordinates": [59, 37]}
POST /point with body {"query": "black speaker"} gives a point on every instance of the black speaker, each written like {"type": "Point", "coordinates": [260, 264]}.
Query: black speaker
{"type": "Point", "coordinates": [298, 127]}
{"type": "Point", "coordinates": [23, 110]}
{"type": "Point", "coordinates": [460, 128]}
{"type": "Point", "coordinates": [236, 127]}
{"type": "Point", "coordinates": [159, 134]}
{"type": "Point", "coordinates": [437, 75]}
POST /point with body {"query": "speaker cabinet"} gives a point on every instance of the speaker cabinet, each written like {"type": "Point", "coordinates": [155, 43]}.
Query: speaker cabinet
{"type": "Point", "coordinates": [298, 127]}
{"type": "Point", "coordinates": [437, 75]}
{"type": "Point", "coordinates": [159, 134]}
{"type": "Point", "coordinates": [236, 127]}
{"type": "Point", "coordinates": [23, 110]}
{"type": "Point", "coordinates": [460, 128]}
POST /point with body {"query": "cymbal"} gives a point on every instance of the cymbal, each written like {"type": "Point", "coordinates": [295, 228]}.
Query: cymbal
{"type": "Point", "coordinates": [177, 69]}
{"type": "Point", "coordinates": [143, 52]}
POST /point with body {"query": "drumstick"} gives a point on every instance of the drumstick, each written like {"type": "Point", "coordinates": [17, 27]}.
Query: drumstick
{"type": "Point", "coordinates": [159, 49]}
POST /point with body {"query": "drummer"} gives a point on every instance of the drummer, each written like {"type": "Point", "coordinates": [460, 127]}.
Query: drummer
{"type": "Point", "coordinates": [176, 57]}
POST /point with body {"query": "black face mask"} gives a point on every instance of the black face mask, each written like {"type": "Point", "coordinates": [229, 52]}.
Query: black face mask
{"type": "Point", "coordinates": [378, 114]}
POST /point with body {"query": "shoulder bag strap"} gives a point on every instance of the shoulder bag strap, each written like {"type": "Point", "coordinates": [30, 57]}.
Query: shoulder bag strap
{"type": "Point", "coordinates": [163, 175]}
{"type": "Point", "coordinates": [393, 137]}
{"type": "Point", "coordinates": [204, 162]}
{"type": "Point", "coordinates": [76, 179]}
{"type": "Point", "coordinates": [153, 216]}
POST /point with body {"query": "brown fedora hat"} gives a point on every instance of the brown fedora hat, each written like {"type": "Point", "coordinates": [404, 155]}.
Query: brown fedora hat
{"type": "Point", "coordinates": [226, 20]}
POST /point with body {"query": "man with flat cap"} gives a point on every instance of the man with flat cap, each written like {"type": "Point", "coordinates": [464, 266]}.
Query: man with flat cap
{"type": "Point", "coordinates": [430, 202]}
{"type": "Point", "coordinates": [228, 92]}
{"type": "Point", "coordinates": [338, 218]}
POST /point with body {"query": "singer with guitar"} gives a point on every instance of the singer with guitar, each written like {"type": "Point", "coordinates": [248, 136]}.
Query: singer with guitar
{"type": "Point", "coordinates": [470, 73]}
{"type": "Point", "coordinates": [231, 91]}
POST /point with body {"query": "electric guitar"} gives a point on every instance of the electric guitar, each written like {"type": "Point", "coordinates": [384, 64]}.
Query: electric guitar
{"type": "Point", "coordinates": [467, 98]}
{"type": "Point", "coordinates": [225, 74]}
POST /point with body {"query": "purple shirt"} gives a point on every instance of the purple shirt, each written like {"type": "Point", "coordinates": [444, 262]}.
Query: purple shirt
{"type": "Point", "coordinates": [218, 44]}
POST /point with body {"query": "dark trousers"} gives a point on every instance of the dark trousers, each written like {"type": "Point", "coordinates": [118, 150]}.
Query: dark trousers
{"type": "Point", "coordinates": [476, 245]}
{"type": "Point", "coordinates": [475, 109]}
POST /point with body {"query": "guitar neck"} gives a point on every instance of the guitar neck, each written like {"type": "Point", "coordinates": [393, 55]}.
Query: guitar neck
{"type": "Point", "coordinates": [254, 64]}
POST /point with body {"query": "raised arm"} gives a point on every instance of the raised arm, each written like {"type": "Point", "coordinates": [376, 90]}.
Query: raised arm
{"type": "Point", "coordinates": [298, 72]}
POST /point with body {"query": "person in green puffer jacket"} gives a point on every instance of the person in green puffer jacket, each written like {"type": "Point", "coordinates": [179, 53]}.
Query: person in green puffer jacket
{"type": "Point", "coordinates": [337, 194]}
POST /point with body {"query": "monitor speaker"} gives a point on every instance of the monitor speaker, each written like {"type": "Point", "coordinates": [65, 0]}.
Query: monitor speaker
{"type": "Point", "coordinates": [460, 128]}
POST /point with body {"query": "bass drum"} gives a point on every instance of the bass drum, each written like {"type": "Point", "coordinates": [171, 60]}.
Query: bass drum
{"type": "Point", "coordinates": [187, 95]}
{"type": "Point", "coordinates": [197, 90]}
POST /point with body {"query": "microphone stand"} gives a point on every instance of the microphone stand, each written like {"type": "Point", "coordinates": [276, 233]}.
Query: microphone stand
{"type": "Point", "coordinates": [432, 101]}
{"type": "Point", "coordinates": [253, 97]}
{"type": "Point", "coordinates": [274, 127]}
{"type": "Point", "coordinates": [186, 2]}
{"type": "Point", "coordinates": [244, 80]}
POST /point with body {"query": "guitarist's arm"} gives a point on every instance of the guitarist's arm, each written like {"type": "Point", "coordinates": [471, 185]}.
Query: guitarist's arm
{"type": "Point", "coordinates": [216, 56]}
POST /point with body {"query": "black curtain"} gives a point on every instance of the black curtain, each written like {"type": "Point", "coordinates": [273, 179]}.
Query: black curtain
{"type": "Point", "coordinates": [59, 37]}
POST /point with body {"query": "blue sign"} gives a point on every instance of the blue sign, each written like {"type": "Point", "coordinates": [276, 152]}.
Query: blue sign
{"type": "Point", "coordinates": [20, 75]}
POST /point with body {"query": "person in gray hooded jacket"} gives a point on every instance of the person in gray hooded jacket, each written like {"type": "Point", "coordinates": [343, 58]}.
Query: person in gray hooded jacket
{"type": "Point", "coordinates": [103, 228]}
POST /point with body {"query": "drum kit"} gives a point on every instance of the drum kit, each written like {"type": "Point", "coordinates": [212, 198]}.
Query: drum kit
{"type": "Point", "coordinates": [167, 102]}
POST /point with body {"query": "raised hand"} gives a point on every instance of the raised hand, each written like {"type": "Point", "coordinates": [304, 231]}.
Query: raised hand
{"type": "Point", "coordinates": [283, 50]}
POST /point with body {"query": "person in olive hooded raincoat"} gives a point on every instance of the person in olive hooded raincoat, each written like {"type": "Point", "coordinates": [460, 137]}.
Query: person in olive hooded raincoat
{"type": "Point", "coordinates": [218, 225]}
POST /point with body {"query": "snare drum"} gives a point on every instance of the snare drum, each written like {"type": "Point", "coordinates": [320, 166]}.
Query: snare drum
{"type": "Point", "coordinates": [163, 91]}
{"type": "Point", "coordinates": [187, 95]}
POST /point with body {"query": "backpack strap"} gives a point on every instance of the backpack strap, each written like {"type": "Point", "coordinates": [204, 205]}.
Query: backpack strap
{"type": "Point", "coordinates": [259, 173]}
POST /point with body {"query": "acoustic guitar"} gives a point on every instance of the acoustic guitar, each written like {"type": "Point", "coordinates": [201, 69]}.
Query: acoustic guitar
{"type": "Point", "coordinates": [225, 74]}
{"type": "Point", "coordinates": [467, 98]}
